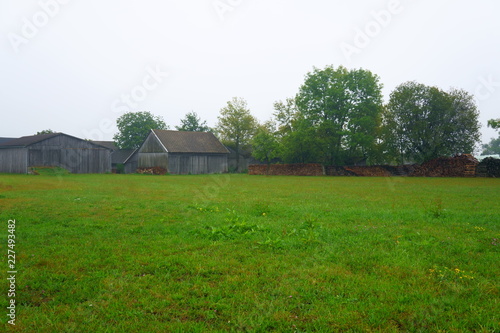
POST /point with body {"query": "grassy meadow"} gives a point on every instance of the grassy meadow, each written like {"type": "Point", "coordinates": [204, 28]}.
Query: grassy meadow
{"type": "Point", "coordinates": [135, 253]}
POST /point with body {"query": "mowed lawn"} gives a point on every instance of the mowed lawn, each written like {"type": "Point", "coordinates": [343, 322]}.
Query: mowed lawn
{"type": "Point", "coordinates": [132, 253]}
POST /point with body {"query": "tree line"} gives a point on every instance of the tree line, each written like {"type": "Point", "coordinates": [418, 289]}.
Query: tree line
{"type": "Point", "coordinates": [338, 117]}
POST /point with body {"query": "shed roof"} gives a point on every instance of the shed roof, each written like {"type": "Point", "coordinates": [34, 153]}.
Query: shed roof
{"type": "Point", "coordinates": [107, 144]}
{"type": "Point", "coordinates": [26, 141]}
{"type": "Point", "coordinates": [4, 140]}
{"type": "Point", "coordinates": [190, 142]}
{"type": "Point", "coordinates": [122, 155]}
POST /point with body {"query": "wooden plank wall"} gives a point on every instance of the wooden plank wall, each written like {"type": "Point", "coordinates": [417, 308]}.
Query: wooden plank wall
{"type": "Point", "coordinates": [14, 160]}
{"type": "Point", "coordinates": [197, 163]}
{"type": "Point", "coordinates": [150, 160]}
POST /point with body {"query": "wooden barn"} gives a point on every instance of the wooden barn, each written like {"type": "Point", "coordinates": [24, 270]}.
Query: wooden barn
{"type": "Point", "coordinates": [183, 152]}
{"type": "Point", "coordinates": [54, 150]}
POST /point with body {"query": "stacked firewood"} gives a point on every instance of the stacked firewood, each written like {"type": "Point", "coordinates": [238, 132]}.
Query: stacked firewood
{"type": "Point", "coordinates": [489, 167]}
{"type": "Point", "coordinates": [458, 166]}
{"type": "Point", "coordinates": [151, 171]}
{"type": "Point", "coordinates": [286, 169]}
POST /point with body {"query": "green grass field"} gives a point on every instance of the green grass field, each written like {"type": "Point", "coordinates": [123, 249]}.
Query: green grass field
{"type": "Point", "coordinates": [131, 253]}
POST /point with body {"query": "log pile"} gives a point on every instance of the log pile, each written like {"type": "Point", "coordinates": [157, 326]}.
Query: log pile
{"type": "Point", "coordinates": [458, 166]}
{"type": "Point", "coordinates": [286, 170]}
{"type": "Point", "coordinates": [338, 171]}
{"type": "Point", "coordinates": [368, 171]}
{"type": "Point", "coordinates": [152, 171]}
{"type": "Point", "coordinates": [401, 170]}
{"type": "Point", "coordinates": [489, 167]}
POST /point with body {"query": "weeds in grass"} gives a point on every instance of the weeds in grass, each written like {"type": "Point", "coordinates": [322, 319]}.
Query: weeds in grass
{"type": "Point", "coordinates": [231, 231]}
{"type": "Point", "coordinates": [273, 243]}
{"type": "Point", "coordinates": [309, 231]}
{"type": "Point", "coordinates": [444, 274]}
{"type": "Point", "coordinates": [435, 208]}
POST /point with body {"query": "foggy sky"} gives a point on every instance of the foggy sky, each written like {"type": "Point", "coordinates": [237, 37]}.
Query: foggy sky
{"type": "Point", "coordinates": [76, 66]}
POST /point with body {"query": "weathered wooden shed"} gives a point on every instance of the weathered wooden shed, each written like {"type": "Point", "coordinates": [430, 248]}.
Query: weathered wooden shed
{"type": "Point", "coordinates": [183, 152]}
{"type": "Point", "coordinates": [54, 150]}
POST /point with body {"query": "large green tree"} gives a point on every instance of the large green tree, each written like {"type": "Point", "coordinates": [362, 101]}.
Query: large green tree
{"type": "Point", "coordinates": [134, 127]}
{"type": "Point", "coordinates": [236, 126]}
{"type": "Point", "coordinates": [423, 123]}
{"type": "Point", "coordinates": [295, 134]}
{"type": "Point", "coordinates": [343, 108]}
{"type": "Point", "coordinates": [193, 123]}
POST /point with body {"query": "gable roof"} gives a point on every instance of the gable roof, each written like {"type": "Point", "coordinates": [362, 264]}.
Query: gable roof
{"type": "Point", "coordinates": [26, 141]}
{"type": "Point", "coordinates": [190, 142]}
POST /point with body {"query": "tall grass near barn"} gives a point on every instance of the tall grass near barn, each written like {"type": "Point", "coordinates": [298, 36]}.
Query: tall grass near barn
{"type": "Point", "coordinates": [125, 253]}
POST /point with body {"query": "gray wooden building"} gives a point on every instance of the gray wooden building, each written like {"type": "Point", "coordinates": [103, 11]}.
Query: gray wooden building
{"type": "Point", "coordinates": [54, 150]}
{"type": "Point", "coordinates": [183, 152]}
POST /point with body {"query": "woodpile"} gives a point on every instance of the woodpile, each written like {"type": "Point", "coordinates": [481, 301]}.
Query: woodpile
{"type": "Point", "coordinates": [338, 171]}
{"type": "Point", "coordinates": [489, 167]}
{"type": "Point", "coordinates": [464, 165]}
{"type": "Point", "coordinates": [368, 171]}
{"type": "Point", "coordinates": [286, 169]}
{"type": "Point", "coordinates": [152, 171]}
{"type": "Point", "coordinates": [459, 166]}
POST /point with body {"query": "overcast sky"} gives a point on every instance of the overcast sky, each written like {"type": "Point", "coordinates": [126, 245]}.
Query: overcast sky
{"type": "Point", "coordinates": [75, 66]}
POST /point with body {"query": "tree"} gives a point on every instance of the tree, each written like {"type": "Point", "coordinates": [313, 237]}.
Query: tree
{"type": "Point", "coordinates": [134, 127]}
{"type": "Point", "coordinates": [295, 134]}
{"type": "Point", "coordinates": [236, 126]}
{"type": "Point", "coordinates": [47, 131]}
{"type": "Point", "coordinates": [192, 123]}
{"type": "Point", "coordinates": [343, 108]}
{"type": "Point", "coordinates": [425, 122]}
{"type": "Point", "coordinates": [265, 145]}
{"type": "Point", "coordinates": [492, 148]}
{"type": "Point", "coordinates": [494, 123]}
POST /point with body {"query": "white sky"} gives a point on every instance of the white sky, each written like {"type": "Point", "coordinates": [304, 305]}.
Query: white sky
{"type": "Point", "coordinates": [65, 64]}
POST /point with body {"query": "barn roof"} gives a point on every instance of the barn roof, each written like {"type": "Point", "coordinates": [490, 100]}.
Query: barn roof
{"type": "Point", "coordinates": [121, 155]}
{"type": "Point", "coordinates": [26, 141]}
{"type": "Point", "coordinates": [107, 144]}
{"type": "Point", "coordinates": [4, 140]}
{"type": "Point", "coordinates": [190, 142]}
